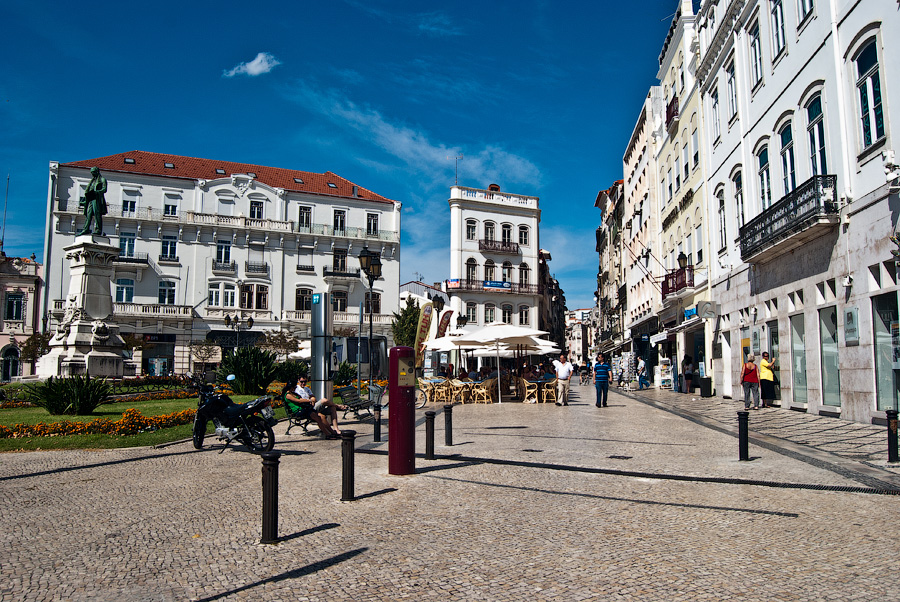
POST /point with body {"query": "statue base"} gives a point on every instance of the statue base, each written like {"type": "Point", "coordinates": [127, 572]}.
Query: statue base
{"type": "Point", "coordinates": [93, 348]}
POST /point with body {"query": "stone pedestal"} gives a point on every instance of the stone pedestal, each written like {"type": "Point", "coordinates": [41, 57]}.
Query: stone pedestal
{"type": "Point", "coordinates": [87, 340]}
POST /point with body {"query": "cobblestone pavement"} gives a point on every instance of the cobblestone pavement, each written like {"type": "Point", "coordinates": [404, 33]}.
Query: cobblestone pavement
{"type": "Point", "coordinates": [642, 500]}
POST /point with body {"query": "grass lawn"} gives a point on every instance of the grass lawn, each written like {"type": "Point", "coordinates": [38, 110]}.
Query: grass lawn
{"type": "Point", "coordinates": [113, 411]}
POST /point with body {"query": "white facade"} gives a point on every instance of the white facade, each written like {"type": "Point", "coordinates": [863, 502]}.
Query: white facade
{"type": "Point", "coordinates": [201, 240]}
{"type": "Point", "coordinates": [494, 248]}
{"type": "Point", "coordinates": [796, 98]}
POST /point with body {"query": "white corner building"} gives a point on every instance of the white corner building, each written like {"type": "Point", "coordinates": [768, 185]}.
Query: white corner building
{"type": "Point", "coordinates": [203, 240]}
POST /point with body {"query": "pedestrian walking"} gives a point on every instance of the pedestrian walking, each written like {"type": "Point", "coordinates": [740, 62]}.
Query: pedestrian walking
{"type": "Point", "coordinates": [687, 368]}
{"type": "Point", "coordinates": [564, 370]}
{"type": "Point", "coordinates": [601, 380]}
{"type": "Point", "coordinates": [767, 380]}
{"type": "Point", "coordinates": [643, 381]}
{"type": "Point", "coordinates": [750, 381]}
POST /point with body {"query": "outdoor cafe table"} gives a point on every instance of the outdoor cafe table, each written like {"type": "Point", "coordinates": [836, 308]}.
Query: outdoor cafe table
{"type": "Point", "coordinates": [540, 388]}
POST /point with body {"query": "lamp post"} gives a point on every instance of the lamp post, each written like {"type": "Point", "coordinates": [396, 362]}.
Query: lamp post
{"type": "Point", "coordinates": [682, 260]}
{"type": "Point", "coordinates": [370, 263]}
{"type": "Point", "coordinates": [236, 325]}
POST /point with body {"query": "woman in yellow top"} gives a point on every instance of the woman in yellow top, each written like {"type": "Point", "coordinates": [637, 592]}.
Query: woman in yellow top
{"type": "Point", "coordinates": [767, 380]}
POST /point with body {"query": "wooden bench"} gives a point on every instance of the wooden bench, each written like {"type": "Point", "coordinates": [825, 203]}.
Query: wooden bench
{"type": "Point", "coordinates": [356, 404]}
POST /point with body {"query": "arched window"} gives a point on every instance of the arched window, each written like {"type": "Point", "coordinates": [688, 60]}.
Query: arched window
{"type": "Point", "coordinates": [868, 82]}
{"type": "Point", "coordinates": [471, 269]}
{"type": "Point", "coordinates": [490, 314]}
{"type": "Point", "coordinates": [765, 181]}
{"type": "Point", "coordinates": [787, 158]}
{"type": "Point", "coordinates": [523, 236]}
{"type": "Point", "coordinates": [816, 130]}
{"type": "Point", "coordinates": [489, 269]}
{"type": "Point", "coordinates": [471, 233]}
{"type": "Point", "coordinates": [524, 315]}
{"type": "Point", "coordinates": [737, 185]}
{"type": "Point", "coordinates": [506, 233]}
{"type": "Point", "coordinates": [723, 235]}
{"type": "Point", "coordinates": [339, 301]}
{"type": "Point", "coordinates": [524, 274]}
{"type": "Point", "coordinates": [472, 312]}
{"type": "Point", "coordinates": [489, 230]}
{"type": "Point", "coordinates": [506, 312]}
{"type": "Point", "coordinates": [10, 364]}
{"type": "Point", "coordinates": [303, 299]}
{"type": "Point", "coordinates": [507, 271]}
{"type": "Point", "coordinates": [375, 303]}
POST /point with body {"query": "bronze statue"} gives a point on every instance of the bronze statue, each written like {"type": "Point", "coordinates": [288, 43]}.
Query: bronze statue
{"type": "Point", "coordinates": [95, 203]}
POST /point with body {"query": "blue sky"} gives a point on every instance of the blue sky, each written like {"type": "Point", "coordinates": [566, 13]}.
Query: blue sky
{"type": "Point", "coordinates": [539, 97]}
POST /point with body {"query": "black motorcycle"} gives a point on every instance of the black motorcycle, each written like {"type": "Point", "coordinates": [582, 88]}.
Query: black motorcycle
{"type": "Point", "coordinates": [248, 423]}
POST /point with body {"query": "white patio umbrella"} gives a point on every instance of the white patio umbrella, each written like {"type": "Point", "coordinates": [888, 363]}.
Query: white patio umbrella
{"type": "Point", "coordinates": [499, 333]}
{"type": "Point", "coordinates": [304, 353]}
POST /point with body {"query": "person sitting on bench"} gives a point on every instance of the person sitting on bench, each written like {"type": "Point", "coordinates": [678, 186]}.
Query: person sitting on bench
{"type": "Point", "coordinates": [325, 407]}
{"type": "Point", "coordinates": [304, 407]}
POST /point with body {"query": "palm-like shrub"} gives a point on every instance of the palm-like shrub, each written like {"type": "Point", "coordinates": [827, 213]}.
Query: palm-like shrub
{"type": "Point", "coordinates": [346, 373]}
{"type": "Point", "coordinates": [253, 370]}
{"type": "Point", "coordinates": [290, 370]}
{"type": "Point", "coordinates": [78, 395]}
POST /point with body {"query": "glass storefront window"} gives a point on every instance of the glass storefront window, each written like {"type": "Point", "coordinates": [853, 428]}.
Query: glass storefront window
{"type": "Point", "coordinates": [828, 348]}
{"type": "Point", "coordinates": [772, 327]}
{"type": "Point", "coordinates": [798, 359]}
{"type": "Point", "coordinates": [886, 330]}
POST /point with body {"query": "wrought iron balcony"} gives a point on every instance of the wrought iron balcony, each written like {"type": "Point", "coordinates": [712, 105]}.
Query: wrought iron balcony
{"type": "Point", "coordinates": [804, 214]}
{"type": "Point", "coordinates": [224, 267]}
{"type": "Point", "coordinates": [255, 267]}
{"type": "Point", "coordinates": [132, 257]}
{"type": "Point", "coordinates": [672, 113]}
{"type": "Point", "coordinates": [340, 273]}
{"type": "Point", "coordinates": [498, 246]}
{"type": "Point", "coordinates": [678, 280]}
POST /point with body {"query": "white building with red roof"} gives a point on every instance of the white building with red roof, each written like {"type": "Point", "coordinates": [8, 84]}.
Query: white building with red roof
{"type": "Point", "coordinates": [203, 240]}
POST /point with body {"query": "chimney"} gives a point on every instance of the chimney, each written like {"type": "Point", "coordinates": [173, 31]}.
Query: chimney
{"type": "Point", "coordinates": [355, 190]}
{"type": "Point", "coordinates": [494, 187]}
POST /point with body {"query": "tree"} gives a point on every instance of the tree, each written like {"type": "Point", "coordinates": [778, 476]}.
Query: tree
{"type": "Point", "coordinates": [253, 368]}
{"type": "Point", "coordinates": [405, 324]}
{"type": "Point", "coordinates": [279, 342]}
{"type": "Point", "coordinates": [35, 346]}
{"type": "Point", "coordinates": [344, 331]}
{"type": "Point", "coordinates": [203, 351]}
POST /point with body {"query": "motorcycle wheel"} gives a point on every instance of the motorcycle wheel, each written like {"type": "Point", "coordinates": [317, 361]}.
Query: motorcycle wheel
{"type": "Point", "coordinates": [199, 432]}
{"type": "Point", "coordinates": [260, 438]}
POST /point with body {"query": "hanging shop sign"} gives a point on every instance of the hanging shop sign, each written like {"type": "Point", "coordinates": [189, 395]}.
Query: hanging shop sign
{"type": "Point", "coordinates": [659, 337]}
{"type": "Point", "coordinates": [690, 313]}
{"type": "Point", "coordinates": [851, 326]}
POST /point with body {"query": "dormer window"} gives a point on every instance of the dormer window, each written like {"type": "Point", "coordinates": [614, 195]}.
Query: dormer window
{"type": "Point", "coordinates": [332, 185]}
{"type": "Point", "coordinates": [298, 180]}
{"type": "Point", "coordinates": [129, 161]}
{"type": "Point", "coordinates": [220, 171]}
{"type": "Point", "coordinates": [169, 165]}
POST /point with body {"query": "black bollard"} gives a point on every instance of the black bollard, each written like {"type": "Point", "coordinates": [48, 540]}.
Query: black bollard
{"type": "Point", "coordinates": [429, 435]}
{"type": "Point", "coordinates": [270, 497]}
{"type": "Point", "coordinates": [892, 435]}
{"type": "Point", "coordinates": [349, 467]}
{"type": "Point", "coordinates": [448, 425]}
{"type": "Point", "coordinates": [376, 434]}
{"type": "Point", "coordinates": [743, 432]}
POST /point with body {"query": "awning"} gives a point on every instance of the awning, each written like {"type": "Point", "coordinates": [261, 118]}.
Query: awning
{"type": "Point", "coordinates": [659, 337]}
{"type": "Point", "coordinates": [688, 324]}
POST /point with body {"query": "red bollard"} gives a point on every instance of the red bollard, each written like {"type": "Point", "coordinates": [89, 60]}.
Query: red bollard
{"type": "Point", "coordinates": [402, 421]}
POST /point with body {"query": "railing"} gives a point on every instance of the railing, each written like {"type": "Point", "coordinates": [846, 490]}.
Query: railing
{"type": "Point", "coordinates": [672, 112]}
{"type": "Point", "coordinates": [350, 232]}
{"type": "Point", "coordinates": [678, 279]}
{"type": "Point", "coordinates": [797, 211]}
{"type": "Point", "coordinates": [498, 246]}
{"type": "Point", "coordinates": [479, 285]}
{"type": "Point", "coordinates": [253, 267]}
{"type": "Point", "coordinates": [133, 258]}
{"type": "Point", "coordinates": [152, 309]}
{"type": "Point", "coordinates": [343, 317]}
{"type": "Point", "coordinates": [306, 268]}
{"type": "Point", "coordinates": [229, 267]}
{"type": "Point", "coordinates": [168, 258]}
{"type": "Point", "coordinates": [238, 221]}
{"type": "Point", "coordinates": [345, 273]}
{"type": "Point", "coordinates": [221, 312]}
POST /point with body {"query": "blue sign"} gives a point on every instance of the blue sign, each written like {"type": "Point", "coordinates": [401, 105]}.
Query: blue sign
{"type": "Point", "coordinates": [690, 313]}
{"type": "Point", "coordinates": [316, 298]}
{"type": "Point", "coordinates": [494, 285]}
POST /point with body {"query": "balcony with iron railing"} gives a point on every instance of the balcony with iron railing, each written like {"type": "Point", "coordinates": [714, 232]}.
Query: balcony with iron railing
{"type": "Point", "coordinates": [341, 273]}
{"type": "Point", "coordinates": [498, 246]}
{"type": "Point", "coordinates": [224, 267]}
{"type": "Point", "coordinates": [805, 213]}
{"type": "Point", "coordinates": [256, 268]}
{"type": "Point", "coordinates": [677, 281]}
{"type": "Point", "coordinates": [672, 113]}
{"type": "Point", "coordinates": [487, 286]}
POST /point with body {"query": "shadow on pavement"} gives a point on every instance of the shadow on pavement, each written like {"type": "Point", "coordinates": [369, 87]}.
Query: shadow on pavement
{"type": "Point", "coordinates": [309, 531]}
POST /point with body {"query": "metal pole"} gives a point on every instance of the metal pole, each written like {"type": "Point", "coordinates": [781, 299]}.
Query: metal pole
{"type": "Point", "coordinates": [429, 435]}
{"type": "Point", "coordinates": [371, 282]}
{"type": "Point", "coordinates": [376, 434]}
{"type": "Point", "coordinates": [348, 465]}
{"type": "Point", "coordinates": [270, 497]}
{"type": "Point", "coordinates": [892, 435]}
{"type": "Point", "coordinates": [448, 425]}
{"type": "Point", "coordinates": [743, 424]}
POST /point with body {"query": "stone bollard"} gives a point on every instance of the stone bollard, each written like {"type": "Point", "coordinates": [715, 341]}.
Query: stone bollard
{"type": "Point", "coordinates": [743, 433]}
{"type": "Point", "coordinates": [429, 435]}
{"type": "Point", "coordinates": [892, 435]}
{"type": "Point", "coordinates": [448, 425]}
{"type": "Point", "coordinates": [376, 434]}
{"type": "Point", "coordinates": [348, 465]}
{"type": "Point", "coordinates": [270, 497]}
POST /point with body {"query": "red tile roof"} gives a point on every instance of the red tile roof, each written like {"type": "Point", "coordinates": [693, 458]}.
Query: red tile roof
{"type": "Point", "coordinates": [205, 169]}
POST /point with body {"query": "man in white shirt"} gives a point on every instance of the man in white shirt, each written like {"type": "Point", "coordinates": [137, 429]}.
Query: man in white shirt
{"type": "Point", "coordinates": [325, 407]}
{"type": "Point", "coordinates": [564, 371]}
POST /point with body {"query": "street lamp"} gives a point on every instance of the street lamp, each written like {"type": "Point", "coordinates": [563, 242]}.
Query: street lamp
{"type": "Point", "coordinates": [236, 325]}
{"type": "Point", "coordinates": [682, 260]}
{"type": "Point", "coordinates": [438, 303]}
{"type": "Point", "coordinates": [370, 263]}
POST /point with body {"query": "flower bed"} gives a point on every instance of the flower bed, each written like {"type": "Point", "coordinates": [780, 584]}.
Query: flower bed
{"type": "Point", "coordinates": [131, 423]}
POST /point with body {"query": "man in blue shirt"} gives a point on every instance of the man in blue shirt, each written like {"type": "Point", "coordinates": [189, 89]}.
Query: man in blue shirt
{"type": "Point", "coordinates": [601, 379]}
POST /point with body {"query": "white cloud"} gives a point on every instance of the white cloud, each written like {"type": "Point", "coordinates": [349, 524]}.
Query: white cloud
{"type": "Point", "coordinates": [263, 63]}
